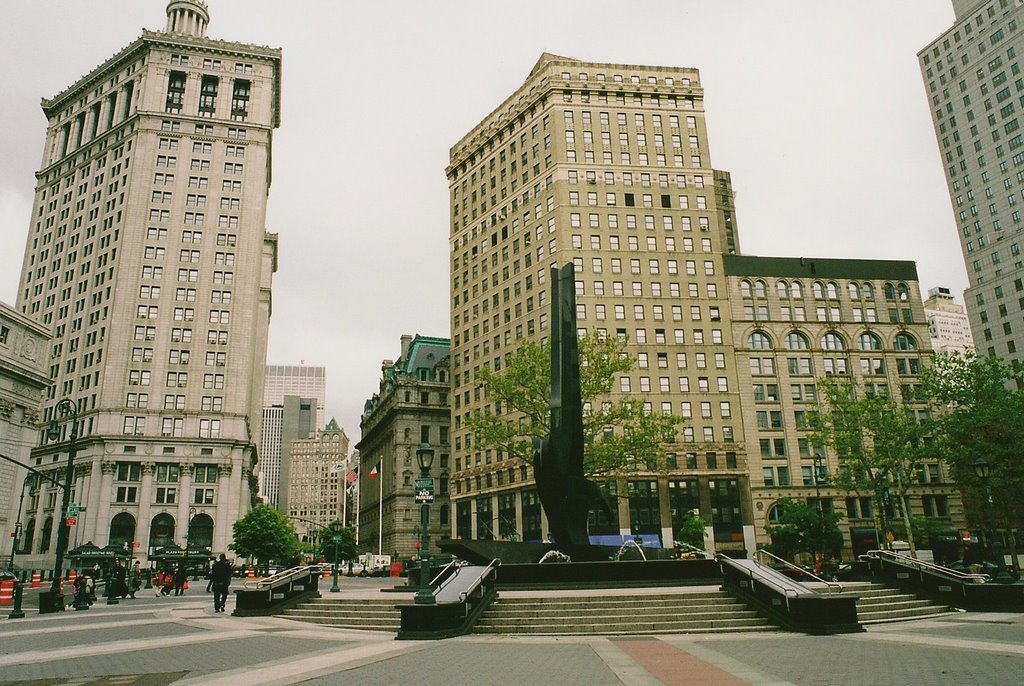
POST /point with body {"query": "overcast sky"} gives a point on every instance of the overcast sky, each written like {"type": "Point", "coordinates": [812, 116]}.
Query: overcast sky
{"type": "Point", "coordinates": [816, 107]}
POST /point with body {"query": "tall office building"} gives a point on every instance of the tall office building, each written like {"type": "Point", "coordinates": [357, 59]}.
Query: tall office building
{"type": "Point", "coordinates": [948, 323]}
{"type": "Point", "coordinates": [318, 481]}
{"type": "Point", "coordinates": [296, 379]}
{"type": "Point", "coordinates": [147, 254]}
{"type": "Point", "coordinates": [975, 88]}
{"type": "Point", "coordinates": [608, 166]}
{"type": "Point", "coordinates": [302, 381]}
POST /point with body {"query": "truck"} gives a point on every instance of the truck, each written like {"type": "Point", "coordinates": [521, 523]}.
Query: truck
{"type": "Point", "coordinates": [374, 565]}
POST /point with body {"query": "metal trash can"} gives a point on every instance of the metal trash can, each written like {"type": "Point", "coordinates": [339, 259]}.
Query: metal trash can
{"type": "Point", "coordinates": [50, 602]}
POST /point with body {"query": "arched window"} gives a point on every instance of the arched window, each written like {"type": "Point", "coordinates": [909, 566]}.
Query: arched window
{"type": "Point", "coordinates": [832, 290]}
{"type": "Point", "coordinates": [868, 291]}
{"type": "Point", "coordinates": [869, 341]}
{"type": "Point", "coordinates": [796, 341]}
{"type": "Point", "coordinates": [782, 289]}
{"type": "Point", "coordinates": [760, 290]}
{"type": "Point", "coordinates": [200, 531]}
{"type": "Point", "coordinates": [833, 341]}
{"type": "Point", "coordinates": [774, 514]}
{"type": "Point", "coordinates": [903, 291]}
{"type": "Point", "coordinates": [759, 341]}
{"type": "Point", "coordinates": [818, 289]}
{"type": "Point", "coordinates": [122, 529]}
{"type": "Point", "coordinates": [161, 531]}
{"type": "Point", "coordinates": [904, 341]}
{"type": "Point", "coordinates": [44, 540]}
{"type": "Point", "coordinates": [854, 290]}
{"type": "Point", "coordinates": [796, 290]}
{"type": "Point", "coordinates": [890, 291]}
{"type": "Point", "coordinates": [745, 288]}
{"type": "Point", "coordinates": [26, 537]}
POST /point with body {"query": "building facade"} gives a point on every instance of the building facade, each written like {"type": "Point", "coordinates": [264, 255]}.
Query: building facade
{"type": "Point", "coordinates": [23, 380]}
{"type": "Point", "coordinates": [317, 483]}
{"type": "Point", "coordinates": [148, 255]}
{"type": "Point", "coordinates": [948, 323]}
{"type": "Point", "coordinates": [796, 320]}
{"type": "Point", "coordinates": [972, 76]}
{"type": "Point", "coordinates": [608, 166]}
{"type": "Point", "coordinates": [283, 380]}
{"type": "Point", "coordinates": [409, 409]}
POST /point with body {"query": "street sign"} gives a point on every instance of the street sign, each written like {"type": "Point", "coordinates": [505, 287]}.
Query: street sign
{"type": "Point", "coordinates": [336, 538]}
{"type": "Point", "coordinates": [424, 491]}
{"type": "Point", "coordinates": [71, 521]}
{"type": "Point", "coordinates": [72, 510]}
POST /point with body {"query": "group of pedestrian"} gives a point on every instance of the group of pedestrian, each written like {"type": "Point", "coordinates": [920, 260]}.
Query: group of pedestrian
{"type": "Point", "coordinates": [171, 579]}
{"type": "Point", "coordinates": [126, 583]}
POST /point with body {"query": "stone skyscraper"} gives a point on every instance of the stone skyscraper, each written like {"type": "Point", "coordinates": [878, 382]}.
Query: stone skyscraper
{"type": "Point", "coordinates": [148, 255]}
{"type": "Point", "coordinates": [975, 89]}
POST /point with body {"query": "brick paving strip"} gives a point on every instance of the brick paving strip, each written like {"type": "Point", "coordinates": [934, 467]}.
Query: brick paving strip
{"type": "Point", "coordinates": [740, 670]}
{"type": "Point", "coordinates": [672, 666]}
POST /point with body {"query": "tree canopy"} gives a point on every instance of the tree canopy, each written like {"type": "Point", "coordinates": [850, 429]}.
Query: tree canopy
{"type": "Point", "coordinates": [266, 535]}
{"type": "Point", "coordinates": [801, 528]}
{"type": "Point", "coordinates": [338, 542]}
{"type": "Point", "coordinates": [879, 442]}
{"type": "Point", "coordinates": [980, 415]}
{"type": "Point", "coordinates": [620, 436]}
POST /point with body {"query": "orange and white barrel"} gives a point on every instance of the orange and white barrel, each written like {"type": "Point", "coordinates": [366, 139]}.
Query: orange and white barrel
{"type": "Point", "coordinates": [37, 579]}
{"type": "Point", "coordinates": [7, 592]}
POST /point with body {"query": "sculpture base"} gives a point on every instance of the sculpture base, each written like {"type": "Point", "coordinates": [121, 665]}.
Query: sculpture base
{"type": "Point", "coordinates": [482, 552]}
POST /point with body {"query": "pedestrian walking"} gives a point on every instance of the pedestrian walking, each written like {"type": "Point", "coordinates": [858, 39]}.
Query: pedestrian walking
{"type": "Point", "coordinates": [220, 578]}
{"type": "Point", "coordinates": [209, 578]}
{"type": "Point", "coordinates": [120, 584]}
{"type": "Point", "coordinates": [135, 580]}
{"type": "Point", "coordinates": [180, 580]}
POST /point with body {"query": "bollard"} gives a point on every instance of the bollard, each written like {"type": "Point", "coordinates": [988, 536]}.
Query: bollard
{"type": "Point", "coordinates": [17, 612]}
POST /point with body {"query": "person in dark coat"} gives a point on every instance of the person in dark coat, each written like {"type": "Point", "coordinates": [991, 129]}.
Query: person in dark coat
{"type": "Point", "coordinates": [180, 578]}
{"type": "Point", "coordinates": [120, 584]}
{"type": "Point", "coordinates": [220, 577]}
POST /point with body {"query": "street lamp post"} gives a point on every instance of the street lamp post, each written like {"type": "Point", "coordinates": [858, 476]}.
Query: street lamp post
{"type": "Point", "coordinates": [983, 471]}
{"type": "Point", "coordinates": [818, 479]}
{"type": "Point", "coordinates": [64, 407]}
{"type": "Point", "coordinates": [425, 495]}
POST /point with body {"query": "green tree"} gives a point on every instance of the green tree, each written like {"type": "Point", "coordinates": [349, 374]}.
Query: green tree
{"type": "Point", "coordinates": [879, 443]}
{"type": "Point", "coordinates": [619, 435]}
{"type": "Point", "coordinates": [338, 542]}
{"type": "Point", "coordinates": [265, 535]}
{"type": "Point", "coordinates": [692, 531]}
{"type": "Point", "coordinates": [801, 528]}
{"type": "Point", "coordinates": [982, 417]}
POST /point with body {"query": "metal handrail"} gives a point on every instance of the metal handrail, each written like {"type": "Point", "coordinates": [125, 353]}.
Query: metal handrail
{"type": "Point", "coordinates": [472, 587]}
{"type": "Point", "coordinates": [453, 563]}
{"type": "Point", "coordinates": [829, 584]}
{"type": "Point", "coordinates": [280, 578]}
{"type": "Point", "coordinates": [763, 579]}
{"type": "Point", "coordinates": [931, 566]}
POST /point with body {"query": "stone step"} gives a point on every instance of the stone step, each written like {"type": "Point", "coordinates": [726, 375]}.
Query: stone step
{"type": "Point", "coordinates": [378, 624]}
{"type": "Point", "coordinates": [514, 616]}
{"type": "Point", "coordinates": [334, 612]}
{"type": "Point", "coordinates": [556, 627]}
{"type": "Point", "coordinates": [595, 605]}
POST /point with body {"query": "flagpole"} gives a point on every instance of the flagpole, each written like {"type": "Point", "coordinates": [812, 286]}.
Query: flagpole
{"type": "Point", "coordinates": [380, 510]}
{"type": "Point", "coordinates": [344, 495]}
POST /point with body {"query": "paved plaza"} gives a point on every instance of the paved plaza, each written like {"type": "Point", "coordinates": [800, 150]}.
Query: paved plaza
{"type": "Point", "coordinates": [156, 641]}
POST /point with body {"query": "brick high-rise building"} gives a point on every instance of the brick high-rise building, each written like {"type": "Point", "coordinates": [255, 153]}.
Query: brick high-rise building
{"type": "Point", "coordinates": [607, 166]}
{"type": "Point", "coordinates": [148, 255]}
{"type": "Point", "coordinates": [975, 88]}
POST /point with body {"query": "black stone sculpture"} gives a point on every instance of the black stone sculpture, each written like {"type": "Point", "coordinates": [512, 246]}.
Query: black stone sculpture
{"type": "Point", "coordinates": [565, 494]}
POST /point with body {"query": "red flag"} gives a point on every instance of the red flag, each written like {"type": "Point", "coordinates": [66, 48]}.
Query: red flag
{"type": "Point", "coordinates": [375, 471]}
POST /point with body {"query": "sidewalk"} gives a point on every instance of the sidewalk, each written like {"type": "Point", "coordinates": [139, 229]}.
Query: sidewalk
{"type": "Point", "coordinates": [156, 641]}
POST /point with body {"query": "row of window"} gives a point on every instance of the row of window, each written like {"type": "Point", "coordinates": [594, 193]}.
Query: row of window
{"type": "Point", "coordinates": [823, 290]}
{"type": "Point", "coordinates": [171, 427]}
{"type": "Point", "coordinates": [796, 340]}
